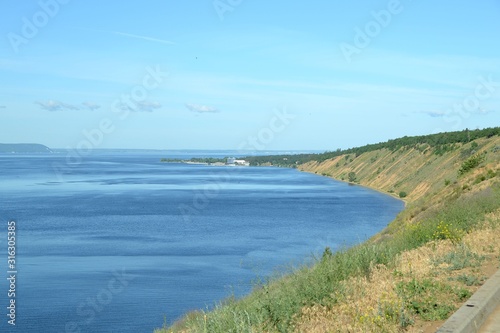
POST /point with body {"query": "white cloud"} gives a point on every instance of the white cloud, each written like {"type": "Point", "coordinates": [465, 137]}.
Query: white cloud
{"type": "Point", "coordinates": [149, 39]}
{"type": "Point", "coordinates": [434, 114]}
{"type": "Point", "coordinates": [143, 106]}
{"type": "Point", "coordinates": [201, 108]}
{"type": "Point", "coordinates": [56, 106]}
{"type": "Point", "coordinates": [91, 106]}
{"type": "Point", "coordinates": [482, 111]}
{"type": "Point", "coordinates": [441, 114]}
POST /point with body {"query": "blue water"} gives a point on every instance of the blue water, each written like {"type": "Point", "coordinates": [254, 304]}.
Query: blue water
{"type": "Point", "coordinates": [118, 241]}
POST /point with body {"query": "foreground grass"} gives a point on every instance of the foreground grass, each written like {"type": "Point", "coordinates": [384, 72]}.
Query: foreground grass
{"type": "Point", "coordinates": [339, 290]}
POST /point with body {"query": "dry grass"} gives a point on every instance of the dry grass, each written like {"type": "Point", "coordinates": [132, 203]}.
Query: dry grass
{"type": "Point", "coordinates": [357, 310]}
{"type": "Point", "coordinates": [406, 170]}
{"type": "Point", "coordinates": [374, 305]}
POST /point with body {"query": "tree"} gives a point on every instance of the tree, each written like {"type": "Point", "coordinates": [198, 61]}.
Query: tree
{"type": "Point", "coordinates": [352, 176]}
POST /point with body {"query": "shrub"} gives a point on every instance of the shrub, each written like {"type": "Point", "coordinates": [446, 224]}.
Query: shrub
{"type": "Point", "coordinates": [423, 298]}
{"type": "Point", "coordinates": [352, 176]}
{"type": "Point", "coordinates": [447, 231]}
{"type": "Point", "coordinates": [469, 280]}
{"type": "Point", "coordinates": [403, 194]}
{"type": "Point", "coordinates": [480, 179]}
{"type": "Point", "coordinates": [471, 163]}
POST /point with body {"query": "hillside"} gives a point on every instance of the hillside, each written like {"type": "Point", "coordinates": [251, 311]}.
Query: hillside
{"type": "Point", "coordinates": [440, 143]}
{"type": "Point", "coordinates": [415, 170]}
{"type": "Point", "coordinates": [16, 148]}
{"type": "Point", "coordinates": [412, 275]}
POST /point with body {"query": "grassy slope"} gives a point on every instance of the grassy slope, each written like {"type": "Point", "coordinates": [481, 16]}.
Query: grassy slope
{"type": "Point", "coordinates": [395, 280]}
{"type": "Point", "coordinates": [414, 170]}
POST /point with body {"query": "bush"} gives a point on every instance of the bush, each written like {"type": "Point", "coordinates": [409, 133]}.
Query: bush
{"type": "Point", "coordinates": [423, 298]}
{"type": "Point", "coordinates": [352, 176]}
{"type": "Point", "coordinates": [402, 194]}
{"type": "Point", "coordinates": [471, 163]}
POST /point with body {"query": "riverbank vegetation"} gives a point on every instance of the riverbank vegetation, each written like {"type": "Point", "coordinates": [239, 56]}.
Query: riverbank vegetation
{"type": "Point", "coordinates": [412, 275]}
{"type": "Point", "coordinates": [439, 144]}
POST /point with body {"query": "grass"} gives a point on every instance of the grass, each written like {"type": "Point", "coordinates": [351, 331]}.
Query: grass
{"type": "Point", "coordinates": [468, 280]}
{"type": "Point", "coordinates": [278, 304]}
{"type": "Point", "coordinates": [429, 299]}
{"type": "Point", "coordinates": [462, 257]}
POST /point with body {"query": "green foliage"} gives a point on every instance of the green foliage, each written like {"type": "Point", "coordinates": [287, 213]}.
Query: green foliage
{"type": "Point", "coordinates": [471, 163]}
{"type": "Point", "coordinates": [460, 258]}
{"type": "Point", "coordinates": [440, 142]}
{"type": "Point", "coordinates": [479, 179]}
{"type": "Point", "coordinates": [208, 160]}
{"type": "Point", "coordinates": [327, 254]}
{"type": "Point", "coordinates": [469, 280]}
{"type": "Point", "coordinates": [448, 231]}
{"type": "Point", "coordinates": [440, 150]}
{"type": "Point", "coordinates": [352, 176]}
{"type": "Point", "coordinates": [423, 298]}
{"type": "Point", "coordinates": [403, 194]}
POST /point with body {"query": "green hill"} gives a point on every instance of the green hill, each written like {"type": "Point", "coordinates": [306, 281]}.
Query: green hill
{"type": "Point", "coordinates": [16, 148]}
{"type": "Point", "coordinates": [412, 275]}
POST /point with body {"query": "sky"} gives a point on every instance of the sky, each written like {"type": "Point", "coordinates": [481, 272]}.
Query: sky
{"type": "Point", "coordinates": [241, 74]}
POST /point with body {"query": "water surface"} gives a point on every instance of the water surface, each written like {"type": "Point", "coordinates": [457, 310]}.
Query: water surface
{"type": "Point", "coordinates": [119, 240]}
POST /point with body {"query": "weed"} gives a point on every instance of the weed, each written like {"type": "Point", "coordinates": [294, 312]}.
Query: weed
{"type": "Point", "coordinates": [468, 280]}
{"type": "Point", "coordinates": [460, 258]}
{"type": "Point", "coordinates": [448, 231]}
{"type": "Point", "coordinates": [423, 298]}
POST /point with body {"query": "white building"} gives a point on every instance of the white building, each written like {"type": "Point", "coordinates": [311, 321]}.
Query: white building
{"type": "Point", "coordinates": [233, 161]}
{"type": "Point", "coordinates": [241, 162]}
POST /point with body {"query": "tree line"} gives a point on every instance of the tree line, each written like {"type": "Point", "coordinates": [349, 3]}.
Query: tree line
{"type": "Point", "coordinates": [440, 142]}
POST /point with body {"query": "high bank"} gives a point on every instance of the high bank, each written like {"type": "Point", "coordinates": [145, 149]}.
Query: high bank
{"type": "Point", "coordinates": [412, 275]}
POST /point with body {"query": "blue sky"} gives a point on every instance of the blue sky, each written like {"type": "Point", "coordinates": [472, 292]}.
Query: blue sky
{"type": "Point", "coordinates": [226, 74]}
